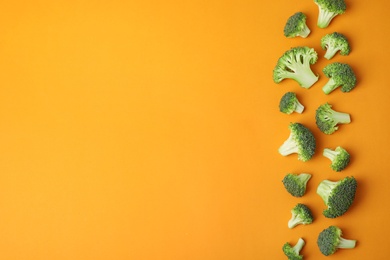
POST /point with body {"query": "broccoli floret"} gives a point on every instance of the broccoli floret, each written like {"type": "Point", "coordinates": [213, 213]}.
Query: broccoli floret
{"type": "Point", "coordinates": [296, 26]}
{"type": "Point", "coordinates": [333, 43]}
{"type": "Point", "coordinates": [289, 103]}
{"type": "Point", "coordinates": [295, 64]}
{"type": "Point", "coordinates": [295, 184]}
{"type": "Point", "coordinates": [301, 141]}
{"type": "Point", "coordinates": [329, 240]}
{"type": "Point", "coordinates": [327, 119]}
{"type": "Point", "coordinates": [301, 214]}
{"type": "Point", "coordinates": [340, 158]}
{"type": "Point", "coordinates": [329, 9]}
{"type": "Point", "coordinates": [292, 252]}
{"type": "Point", "coordinates": [339, 74]}
{"type": "Point", "coordinates": [337, 195]}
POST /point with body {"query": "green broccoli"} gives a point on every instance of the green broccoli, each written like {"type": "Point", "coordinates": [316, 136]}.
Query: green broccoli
{"type": "Point", "coordinates": [329, 9]}
{"type": "Point", "coordinates": [301, 214]}
{"type": "Point", "coordinates": [340, 158]}
{"type": "Point", "coordinates": [337, 195]}
{"type": "Point", "coordinates": [301, 141]}
{"type": "Point", "coordinates": [292, 252]}
{"type": "Point", "coordinates": [339, 74]}
{"type": "Point", "coordinates": [295, 64]}
{"type": "Point", "coordinates": [295, 184]}
{"type": "Point", "coordinates": [327, 119]}
{"type": "Point", "coordinates": [289, 103]}
{"type": "Point", "coordinates": [329, 240]}
{"type": "Point", "coordinates": [333, 43]}
{"type": "Point", "coordinates": [296, 26]}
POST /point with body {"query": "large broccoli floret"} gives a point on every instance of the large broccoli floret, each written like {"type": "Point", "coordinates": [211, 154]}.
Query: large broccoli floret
{"type": "Point", "coordinates": [340, 158]}
{"type": "Point", "coordinates": [339, 74]}
{"type": "Point", "coordinates": [301, 141]}
{"type": "Point", "coordinates": [295, 64]}
{"type": "Point", "coordinates": [333, 43]}
{"type": "Point", "coordinates": [292, 252]}
{"type": "Point", "coordinates": [295, 184]}
{"type": "Point", "coordinates": [289, 103]}
{"type": "Point", "coordinates": [296, 26]}
{"type": "Point", "coordinates": [329, 9]}
{"type": "Point", "coordinates": [337, 195]}
{"type": "Point", "coordinates": [327, 119]}
{"type": "Point", "coordinates": [300, 214]}
{"type": "Point", "coordinates": [329, 240]}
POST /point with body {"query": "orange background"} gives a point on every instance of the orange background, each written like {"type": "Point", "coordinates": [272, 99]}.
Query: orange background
{"type": "Point", "coordinates": [149, 130]}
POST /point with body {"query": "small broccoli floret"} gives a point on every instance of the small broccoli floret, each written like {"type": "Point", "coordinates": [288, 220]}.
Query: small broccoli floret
{"type": "Point", "coordinates": [301, 214]}
{"type": "Point", "coordinates": [301, 141]}
{"type": "Point", "coordinates": [329, 240]}
{"type": "Point", "coordinates": [340, 158]}
{"type": "Point", "coordinates": [289, 103]}
{"type": "Point", "coordinates": [329, 9]}
{"type": "Point", "coordinates": [339, 74]}
{"type": "Point", "coordinates": [337, 195]}
{"type": "Point", "coordinates": [292, 252]}
{"type": "Point", "coordinates": [333, 43]}
{"type": "Point", "coordinates": [327, 119]}
{"type": "Point", "coordinates": [296, 26]}
{"type": "Point", "coordinates": [295, 64]}
{"type": "Point", "coordinates": [295, 184]}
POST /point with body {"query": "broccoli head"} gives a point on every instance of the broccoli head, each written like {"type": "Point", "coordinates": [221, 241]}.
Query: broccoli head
{"type": "Point", "coordinates": [329, 9]}
{"type": "Point", "coordinates": [295, 184]}
{"type": "Point", "coordinates": [296, 26]}
{"type": "Point", "coordinates": [301, 141]}
{"type": "Point", "coordinates": [333, 43]}
{"type": "Point", "coordinates": [337, 195]}
{"type": "Point", "coordinates": [339, 157]}
{"type": "Point", "coordinates": [295, 64]}
{"type": "Point", "coordinates": [292, 252]}
{"type": "Point", "coordinates": [289, 103]}
{"type": "Point", "coordinates": [301, 214]}
{"type": "Point", "coordinates": [339, 74]}
{"type": "Point", "coordinates": [330, 239]}
{"type": "Point", "coordinates": [327, 119]}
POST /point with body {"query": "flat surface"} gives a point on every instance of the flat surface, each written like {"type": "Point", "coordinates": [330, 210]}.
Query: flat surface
{"type": "Point", "coordinates": [150, 129]}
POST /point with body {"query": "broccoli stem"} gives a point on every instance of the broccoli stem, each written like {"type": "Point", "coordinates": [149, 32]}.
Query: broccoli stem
{"type": "Point", "coordinates": [289, 146]}
{"type": "Point", "coordinates": [330, 52]}
{"type": "Point", "coordinates": [297, 248]}
{"type": "Point", "coordinates": [305, 76]}
{"type": "Point", "coordinates": [329, 86]}
{"type": "Point", "coordinates": [305, 32]}
{"type": "Point", "coordinates": [299, 107]}
{"type": "Point", "coordinates": [325, 188]}
{"type": "Point", "coordinates": [341, 118]}
{"type": "Point", "coordinates": [324, 17]}
{"type": "Point", "coordinates": [346, 243]}
{"type": "Point", "coordinates": [330, 154]}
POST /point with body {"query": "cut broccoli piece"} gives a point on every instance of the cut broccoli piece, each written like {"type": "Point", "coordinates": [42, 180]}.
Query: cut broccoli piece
{"type": "Point", "coordinates": [289, 103]}
{"type": "Point", "coordinates": [295, 64]}
{"type": "Point", "coordinates": [296, 26]}
{"type": "Point", "coordinates": [327, 119]}
{"type": "Point", "coordinates": [295, 184]}
{"type": "Point", "coordinates": [301, 214]}
{"type": "Point", "coordinates": [340, 158]}
{"type": "Point", "coordinates": [333, 43]}
{"type": "Point", "coordinates": [337, 195]}
{"type": "Point", "coordinates": [301, 141]}
{"type": "Point", "coordinates": [329, 9]}
{"type": "Point", "coordinates": [339, 74]}
{"type": "Point", "coordinates": [292, 252]}
{"type": "Point", "coordinates": [329, 240]}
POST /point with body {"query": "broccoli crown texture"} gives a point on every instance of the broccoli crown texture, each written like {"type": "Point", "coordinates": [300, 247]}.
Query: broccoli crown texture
{"type": "Point", "coordinates": [296, 26]}
{"type": "Point", "coordinates": [289, 103]}
{"type": "Point", "coordinates": [327, 119]}
{"type": "Point", "coordinates": [337, 195]}
{"type": "Point", "coordinates": [333, 43]}
{"type": "Point", "coordinates": [295, 64]}
{"type": "Point", "coordinates": [330, 239]}
{"type": "Point", "coordinates": [329, 9]}
{"type": "Point", "coordinates": [301, 141]}
{"type": "Point", "coordinates": [300, 214]}
{"type": "Point", "coordinates": [339, 74]}
{"type": "Point", "coordinates": [339, 157]}
{"type": "Point", "coordinates": [295, 184]}
{"type": "Point", "coordinates": [292, 252]}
